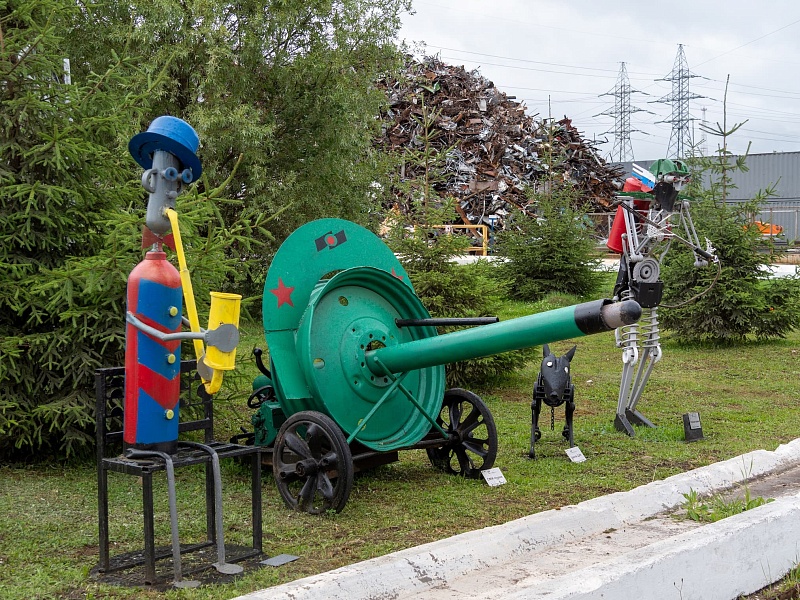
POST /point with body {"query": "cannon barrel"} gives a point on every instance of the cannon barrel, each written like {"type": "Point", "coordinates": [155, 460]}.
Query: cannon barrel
{"type": "Point", "coordinates": [523, 332]}
{"type": "Point", "coordinates": [446, 322]}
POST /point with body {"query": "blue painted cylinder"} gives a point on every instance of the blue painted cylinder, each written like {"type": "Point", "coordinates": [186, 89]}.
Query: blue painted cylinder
{"type": "Point", "coordinates": [152, 367]}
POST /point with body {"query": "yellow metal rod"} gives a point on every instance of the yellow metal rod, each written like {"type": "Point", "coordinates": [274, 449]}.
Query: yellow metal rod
{"type": "Point", "coordinates": [186, 282]}
{"type": "Point", "coordinates": [213, 386]}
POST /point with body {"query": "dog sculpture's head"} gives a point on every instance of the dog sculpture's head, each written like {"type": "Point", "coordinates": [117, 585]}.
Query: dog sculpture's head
{"type": "Point", "coordinates": [555, 375]}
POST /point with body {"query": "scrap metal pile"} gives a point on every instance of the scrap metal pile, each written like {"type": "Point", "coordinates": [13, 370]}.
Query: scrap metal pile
{"type": "Point", "coordinates": [496, 149]}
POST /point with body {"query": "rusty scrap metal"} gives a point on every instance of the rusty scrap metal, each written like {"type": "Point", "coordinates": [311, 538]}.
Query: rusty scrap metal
{"type": "Point", "coordinates": [496, 152]}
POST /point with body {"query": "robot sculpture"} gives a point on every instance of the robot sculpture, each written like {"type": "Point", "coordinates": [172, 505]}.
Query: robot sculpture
{"type": "Point", "coordinates": [647, 221]}
{"type": "Point", "coordinates": [154, 319]}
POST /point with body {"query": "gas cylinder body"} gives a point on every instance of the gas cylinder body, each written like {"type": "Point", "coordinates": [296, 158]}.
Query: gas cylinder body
{"type": "Point", "coordinates": [152, 367]}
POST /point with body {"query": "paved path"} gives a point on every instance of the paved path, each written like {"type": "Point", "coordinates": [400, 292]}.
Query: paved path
{"type": "Point", "coordinates": [612, 264]}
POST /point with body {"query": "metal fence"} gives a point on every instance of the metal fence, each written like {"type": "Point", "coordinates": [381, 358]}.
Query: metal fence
{"type": "Point", "coordinates": [786, 216]}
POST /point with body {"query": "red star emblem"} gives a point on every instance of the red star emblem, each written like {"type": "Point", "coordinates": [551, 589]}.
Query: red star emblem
{"type": "Point", "coordinates": [283, 293]}
{"type": "Point", "coordinates": [394, 274]}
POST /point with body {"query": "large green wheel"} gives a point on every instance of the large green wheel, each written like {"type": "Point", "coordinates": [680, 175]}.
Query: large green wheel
{"type": "Point", "coordinates": [312, 463]}
{"type": "Point", "coordinates": [470, 425]}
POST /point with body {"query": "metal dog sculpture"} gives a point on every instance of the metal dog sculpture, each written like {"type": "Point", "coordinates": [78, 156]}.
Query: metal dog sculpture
{"type": "Point", "coordinates": [554, 388]}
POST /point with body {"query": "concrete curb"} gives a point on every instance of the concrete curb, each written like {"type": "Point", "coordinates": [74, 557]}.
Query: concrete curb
{"type": "Point", "coordinates": [432, 565]}
{"type": "Point", "coordinates": [722, 560]}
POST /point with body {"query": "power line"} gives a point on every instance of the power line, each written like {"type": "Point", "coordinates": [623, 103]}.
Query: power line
{"type": "Point", "coordinates": [748, 43]}
{"type": "Point", "coordinates": [533, 69]}
{"type": "Point", "coordinates": [536, 62]}
{"type": "Point", "coordinates": [755, 87]}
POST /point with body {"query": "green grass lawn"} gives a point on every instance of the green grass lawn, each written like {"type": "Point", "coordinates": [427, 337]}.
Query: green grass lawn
{"type": "Point", "coordinates": [747, 399]}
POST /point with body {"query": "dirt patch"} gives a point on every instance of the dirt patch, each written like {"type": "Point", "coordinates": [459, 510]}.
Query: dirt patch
{"type": "Point", "coordinates": [86, 550]}
{"type": "Point", "coordinates": [772, 485]}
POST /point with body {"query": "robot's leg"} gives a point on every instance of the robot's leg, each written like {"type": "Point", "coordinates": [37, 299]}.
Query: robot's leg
{"type": "Point", "coordinates": [569, 432]}
{"type": "Point", "coordinates": [627, 338]}
{"type": "Point", "coordinates": [650, 356]}
{"type": "Point", "coordinates": [646, 365]}
{"type": "Point", "coordinates": [221, 565]}
{"type": "Point", "coordinates": [536, 434]}
{"type": "Point", "coordinates": [179, 581]}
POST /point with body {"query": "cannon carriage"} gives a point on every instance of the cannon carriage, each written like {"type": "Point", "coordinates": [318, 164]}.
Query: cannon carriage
{"type": "Point", "coordinates": [356, 366]}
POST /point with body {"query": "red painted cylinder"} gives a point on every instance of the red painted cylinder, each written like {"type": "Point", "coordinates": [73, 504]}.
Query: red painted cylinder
{"type": "Point", "coordinates": [614, 242]}
{"type": "Point", "coordinates": [152, 367]}
{"type": "Point", "coordinates": [635, 185]}
{"type": "Point", "coordinates": [618, 227]}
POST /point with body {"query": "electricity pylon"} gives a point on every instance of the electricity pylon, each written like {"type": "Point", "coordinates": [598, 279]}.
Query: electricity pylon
{"type": "Point", "coordinates": [623, 150]}
{"type": "Point", "coordinates": [680, 138]}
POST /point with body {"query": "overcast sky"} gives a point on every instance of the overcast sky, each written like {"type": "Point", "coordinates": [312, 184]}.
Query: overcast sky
{"type": "Point", "coordinates": [568, 53]}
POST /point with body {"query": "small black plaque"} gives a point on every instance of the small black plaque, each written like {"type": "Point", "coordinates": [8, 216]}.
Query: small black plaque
{"type": "Point", "coordinates": [692, 428]}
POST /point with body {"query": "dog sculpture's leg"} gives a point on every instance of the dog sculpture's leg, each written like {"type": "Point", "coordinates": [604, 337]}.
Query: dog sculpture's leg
{"type": "Point", "coordinates": [536, 408]}
{"type": "Point", "coordinates": [569, 408]}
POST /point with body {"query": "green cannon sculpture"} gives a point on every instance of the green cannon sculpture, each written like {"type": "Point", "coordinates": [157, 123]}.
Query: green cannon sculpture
{"type": "Point", "coordinates": [357, 368]}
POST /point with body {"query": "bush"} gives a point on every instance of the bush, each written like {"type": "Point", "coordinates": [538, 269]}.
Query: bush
{"type": "Point", "coordinates": [448, 289]}
{"type": "Point", "coordinates": [549, 253]}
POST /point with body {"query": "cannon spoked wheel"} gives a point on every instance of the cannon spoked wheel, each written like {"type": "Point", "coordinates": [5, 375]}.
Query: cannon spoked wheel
{"type": "Point", "coordinates": [312, 463]}
{"type": "Point", "coordinates": [470, 425]}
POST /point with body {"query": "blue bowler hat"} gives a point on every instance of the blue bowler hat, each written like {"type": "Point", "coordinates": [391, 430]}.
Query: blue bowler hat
{"type": "Point", "coordinates": [172, 135]}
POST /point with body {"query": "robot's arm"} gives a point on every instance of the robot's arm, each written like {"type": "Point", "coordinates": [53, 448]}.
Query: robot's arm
{"type": "Point", "coordinates": [702, 256]}
{"type": "Point", "coordinates": [225, 337]}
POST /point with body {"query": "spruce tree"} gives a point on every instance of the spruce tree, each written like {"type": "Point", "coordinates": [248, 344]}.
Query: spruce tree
{"type": "Point", "coordinates": [62, 172]}
{"type": "Point", "coordinates": [71, 213]}
{"type": "Point", "coordinates": [551, 252]}
{"type": "Point", "coordinates": [735, 300]}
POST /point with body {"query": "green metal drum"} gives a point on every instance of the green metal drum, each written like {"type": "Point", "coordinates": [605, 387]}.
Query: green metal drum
{"type": "Point", "coordinates": [352, 313]}
{"type": "Point", "coordinates": [322, 311]}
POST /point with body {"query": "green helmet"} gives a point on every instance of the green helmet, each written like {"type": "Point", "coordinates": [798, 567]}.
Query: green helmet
{"type": "Point", "coordinates": [666, 166]}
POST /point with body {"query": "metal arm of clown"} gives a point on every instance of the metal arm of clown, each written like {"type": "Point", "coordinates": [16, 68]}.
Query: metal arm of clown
{"type": "Point", "coordinates": [648, 219]}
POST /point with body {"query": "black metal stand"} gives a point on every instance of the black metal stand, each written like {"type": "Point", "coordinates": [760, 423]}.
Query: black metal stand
{"type": "Point", "coordinates": [110, 390]}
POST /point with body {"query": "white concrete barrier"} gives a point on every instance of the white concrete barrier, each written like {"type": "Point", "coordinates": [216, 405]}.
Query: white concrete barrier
{"type": "Point", "coordinates": [426, 570]}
